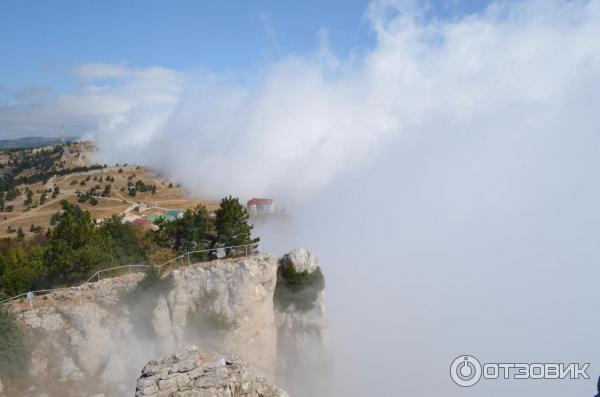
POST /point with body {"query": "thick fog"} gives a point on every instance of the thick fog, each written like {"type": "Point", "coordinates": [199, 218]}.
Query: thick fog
{"type": "Point", "coordinates": [436, 250]}
{"type": "Point", "coordinates": [447, 178]}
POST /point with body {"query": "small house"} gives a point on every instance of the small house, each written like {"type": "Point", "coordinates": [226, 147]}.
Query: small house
{"type": "Point", "coordinates": [260, 206]}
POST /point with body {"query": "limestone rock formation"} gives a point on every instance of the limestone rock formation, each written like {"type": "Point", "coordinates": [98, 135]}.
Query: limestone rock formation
{"type": "Point", "coordinates": [96, 339]}
{"type": "Point", "coordinates": [302, 364]}
{"type": "Point", "coordinates": [93, 341]}
{"type": "Point", "coordinates": [191, 373]}
{"type": "Point", "coordinates": [302, 259]}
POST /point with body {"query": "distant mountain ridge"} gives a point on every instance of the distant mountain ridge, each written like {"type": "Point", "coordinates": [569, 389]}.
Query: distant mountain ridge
{"type": "Point", "coordinates": [33, 141]}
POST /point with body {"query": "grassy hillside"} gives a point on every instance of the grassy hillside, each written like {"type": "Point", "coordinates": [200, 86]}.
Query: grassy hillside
{"type": "Point", "coordinates": [33, 182]}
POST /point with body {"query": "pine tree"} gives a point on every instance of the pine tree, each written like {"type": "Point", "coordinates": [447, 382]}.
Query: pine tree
{"type": "Point", "coordinates": [232, 224]}
{"type": "Point", "coordinates": [76, 247]}
{"type": "Point", "coordinates": [29, 199]}
{"type": "Point", "coordinates": [193, 231]}
{"type": "Point", "coordinates": [126, 240]}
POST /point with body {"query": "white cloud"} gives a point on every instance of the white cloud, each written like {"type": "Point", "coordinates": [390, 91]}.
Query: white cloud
{"type": "Point", "coordinates": [306, 118]}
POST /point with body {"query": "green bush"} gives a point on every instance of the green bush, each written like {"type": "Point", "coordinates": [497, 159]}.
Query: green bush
{"type": "Point", "coordinates": [21, 263]}
{"type": "Point", "coordinates": [154, 283]}
{"type": "Point", "coordinates": [15, 353]}
{"type": "Point", "coordinates": [298, 288]}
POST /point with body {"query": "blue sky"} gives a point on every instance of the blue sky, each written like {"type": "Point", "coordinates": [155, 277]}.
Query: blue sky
{"type": "Point", "coordinates": [42, 41]}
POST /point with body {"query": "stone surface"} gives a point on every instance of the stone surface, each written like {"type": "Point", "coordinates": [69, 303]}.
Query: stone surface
{"type": "Point", "coordinates": [51, 321]}
{"type": "Point", "coordinates": [302, 259]}
{"type": "Point", "coordinates": [31, 319]}
{"type": "Point", "coordinates": [192, 373]}
{"type": "Point", "coordinates": [90, 340]}
{"type": "Point", "coordinates": [93, 333]}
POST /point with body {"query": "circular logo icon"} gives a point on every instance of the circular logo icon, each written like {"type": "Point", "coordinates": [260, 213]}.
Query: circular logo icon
{"type": "Point", "coordinates": [465, 371]}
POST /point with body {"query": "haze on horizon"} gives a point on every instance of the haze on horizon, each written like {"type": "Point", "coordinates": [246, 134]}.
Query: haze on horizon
{"type": "Point", "coordinates": [444, 169]}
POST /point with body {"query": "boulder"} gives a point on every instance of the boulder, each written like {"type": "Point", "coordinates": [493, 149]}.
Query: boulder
{"type": "Point", "coordinates": [192, 373]}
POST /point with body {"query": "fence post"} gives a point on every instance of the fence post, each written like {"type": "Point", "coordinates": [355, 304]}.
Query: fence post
{"type": "Point", "coordinates": [98, 276]}
{"type": "Point", "coordinates": [189, 262]}
{"type": "Point", "coordinates": [129, 271]}
{"type": "Point", "coordinates": [246, 249]}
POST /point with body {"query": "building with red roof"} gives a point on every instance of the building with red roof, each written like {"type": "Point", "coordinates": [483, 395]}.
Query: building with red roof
{"type": "Point", "coordinates": [260, 206]}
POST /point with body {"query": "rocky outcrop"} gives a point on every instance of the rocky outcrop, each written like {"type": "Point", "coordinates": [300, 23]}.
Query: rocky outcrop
{"type": "Point", "coordinates": [302, 364]}
{"type": "Point", "coordinates": [96, 338]}
{"type": "Point", "coordinates": [93, 340]}
{"type": "Point", "coordinates": [302, 259]}
{"type": "Point", "coordinates": [191, 373]}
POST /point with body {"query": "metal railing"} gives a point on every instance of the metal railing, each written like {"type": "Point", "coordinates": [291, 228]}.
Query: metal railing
{"type": "Point", "coordinates": [220, 253]}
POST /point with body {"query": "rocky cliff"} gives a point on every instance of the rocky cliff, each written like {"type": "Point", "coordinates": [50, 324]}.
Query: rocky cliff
{"type": "Point", "coordinates": [97, 339]}
{"type": "Point", "coordinates": [192, 373]}
{"type": "Point", "coordinates": [92, 342]}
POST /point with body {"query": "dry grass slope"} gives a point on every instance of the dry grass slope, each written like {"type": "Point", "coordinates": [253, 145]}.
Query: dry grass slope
{"type": "Point", "coordinates": [79, 155]}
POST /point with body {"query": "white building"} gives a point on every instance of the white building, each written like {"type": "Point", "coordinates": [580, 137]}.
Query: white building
{"type": "Point", "coordinates": [260, 206]}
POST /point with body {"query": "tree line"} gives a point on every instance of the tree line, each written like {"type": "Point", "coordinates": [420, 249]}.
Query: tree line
{"type": "Point", "coordinates": [77, 246]}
